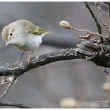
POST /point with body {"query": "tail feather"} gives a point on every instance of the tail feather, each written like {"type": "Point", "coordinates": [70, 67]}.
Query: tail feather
{"type": "Point", "coordinates": [45, 33]}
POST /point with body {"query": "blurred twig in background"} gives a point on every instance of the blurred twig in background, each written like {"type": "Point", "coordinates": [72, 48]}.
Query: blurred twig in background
{"type": "Point", "coordinates": [94, 17]}
{"type": "Point", "coordinates": [12, 104]}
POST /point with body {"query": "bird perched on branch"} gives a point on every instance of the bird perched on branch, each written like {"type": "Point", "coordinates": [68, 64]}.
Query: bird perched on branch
{"type": "Point", "coordinates": [24, 35]}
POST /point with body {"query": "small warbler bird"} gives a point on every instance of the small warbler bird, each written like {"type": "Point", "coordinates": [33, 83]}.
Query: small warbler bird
{"type": "Point", "coordinates": [24, 35]}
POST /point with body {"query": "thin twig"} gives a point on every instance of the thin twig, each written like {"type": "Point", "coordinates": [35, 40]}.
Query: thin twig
{"type": "Point", "coordinates": [102, 15]}
{"type": "Point", "coordinates": [7, 88]}
{"type": "Point", "coordinates": [109, 21]}
{"type": "Point", "coordinates": [67, 25]}
{"type": "Point", "coordinates": [86, 31]}
{"type": "Point", "coordinates": [94, 17]}
{"type": "Point", "coordinates": [13, 104]}
{"type": "Point", "coordinates": [2, 84]}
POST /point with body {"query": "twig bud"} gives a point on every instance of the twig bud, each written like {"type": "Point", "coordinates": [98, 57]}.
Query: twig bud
{"type": "Point", "coordinates": [65, 24]}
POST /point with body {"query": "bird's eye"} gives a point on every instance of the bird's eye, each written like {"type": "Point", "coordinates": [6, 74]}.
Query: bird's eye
{"type": "Point", "coordinates": [11, 34]}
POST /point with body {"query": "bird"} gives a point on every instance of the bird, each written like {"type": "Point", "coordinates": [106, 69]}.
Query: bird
{"type": "Point", "coordinates": [24, 35]}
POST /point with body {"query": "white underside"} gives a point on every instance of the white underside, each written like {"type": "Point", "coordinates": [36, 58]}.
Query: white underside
{"type": "Point", "coordinates": [31, 43]}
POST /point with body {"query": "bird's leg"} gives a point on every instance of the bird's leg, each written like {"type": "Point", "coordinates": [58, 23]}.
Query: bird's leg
{"type": "Point", "coordinates": [20, 57]}
{"type": "Point", "coordinates": [29, 58]}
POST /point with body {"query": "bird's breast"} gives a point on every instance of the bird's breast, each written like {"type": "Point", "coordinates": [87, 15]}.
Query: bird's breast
{"type": "Point", "coordinates": [31, 43]}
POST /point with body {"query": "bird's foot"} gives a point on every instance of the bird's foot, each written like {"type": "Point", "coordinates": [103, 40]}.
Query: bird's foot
{"type": "Point", "coordinates": [30, 60]}
{"type": "Point", "coordinates": [18, 62]}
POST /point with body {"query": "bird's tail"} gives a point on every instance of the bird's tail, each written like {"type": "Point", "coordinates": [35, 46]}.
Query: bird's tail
{"type": "Point", "coordinates": [45, 33]}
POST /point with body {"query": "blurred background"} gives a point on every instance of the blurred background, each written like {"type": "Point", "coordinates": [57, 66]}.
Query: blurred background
{"type": "Point", "coordinates": [46, 86]}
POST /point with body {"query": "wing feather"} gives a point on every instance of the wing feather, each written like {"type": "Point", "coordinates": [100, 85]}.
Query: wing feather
{"type": "Point", "coordinates": [30, 27]}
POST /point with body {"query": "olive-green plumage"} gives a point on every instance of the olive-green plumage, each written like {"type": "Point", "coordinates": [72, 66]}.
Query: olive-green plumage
{"type": "Point", "coordinates": [30, 27]}
{"type": "Point", "coordinates": [5, 33]}
{"type": "Point", "coordinates": [26, 26]}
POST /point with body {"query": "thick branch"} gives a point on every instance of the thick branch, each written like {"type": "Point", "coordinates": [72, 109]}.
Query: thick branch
{"type": "Point", "coordinates": [63, 54]}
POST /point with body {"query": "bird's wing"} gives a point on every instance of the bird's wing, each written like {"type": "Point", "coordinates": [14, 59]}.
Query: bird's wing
{"type": "Point", "coordinates": [30, 27]}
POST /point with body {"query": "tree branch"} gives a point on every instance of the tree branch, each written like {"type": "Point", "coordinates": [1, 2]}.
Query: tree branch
{"type": "Point", "coordinates": [8, 87]}
{"type": "Point", "coordinates": [109, 21]}
{"type": "Point", "coordinates": [63, 54]}
{"type": "Point", "coordinates": [85, 50]}
{"type": "Point", "coordinates": [102, 15]}
{"type": "Point", "coordinates": [13, 104]}
{"type": "Point", "coordinates": [94, 17]}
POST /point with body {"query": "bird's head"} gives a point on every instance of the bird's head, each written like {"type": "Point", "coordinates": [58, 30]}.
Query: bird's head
{"type": "Point", "coordinates": [11, 35]}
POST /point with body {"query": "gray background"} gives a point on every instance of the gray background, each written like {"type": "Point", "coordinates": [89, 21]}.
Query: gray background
{"type": "Point", "coordinates": [47, 85]}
